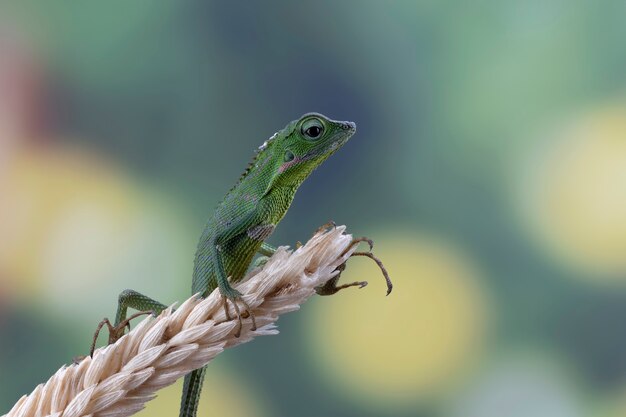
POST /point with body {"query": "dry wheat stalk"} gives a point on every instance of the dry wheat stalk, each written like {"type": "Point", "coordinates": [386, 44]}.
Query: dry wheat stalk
{"type": "Point", "coordinates": [122, 377]}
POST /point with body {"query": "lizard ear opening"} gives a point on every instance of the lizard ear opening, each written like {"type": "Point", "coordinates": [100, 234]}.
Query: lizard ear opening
{"type": "Point", "coordinates": [289, 156]}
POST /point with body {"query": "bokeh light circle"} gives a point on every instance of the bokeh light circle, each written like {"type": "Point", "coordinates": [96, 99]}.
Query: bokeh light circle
{"type": "Point", "coordinates": [525, 384]}
{"type": "Point", "coordinates": [574, 193]}
{"type": "Point", "coordinates": [411, 345]}
{"type": "Point", "coordinates": [75, 227]}
{"type": "Point", "coordinates": [614, 404]}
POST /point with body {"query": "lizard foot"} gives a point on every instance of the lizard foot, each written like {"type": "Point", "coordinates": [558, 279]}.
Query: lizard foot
{"type": "Point", "coordinates": [260, 262]}
{"type": "Point", "coordinates": [234, 296]}
{"type": "Point", "coordinates": [331, 286]}
{"type": "Point", "coordinates": [115, 332]}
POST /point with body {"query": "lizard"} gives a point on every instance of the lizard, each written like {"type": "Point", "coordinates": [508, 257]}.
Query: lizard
{"type": "Point", "coordinates": [242, 222]}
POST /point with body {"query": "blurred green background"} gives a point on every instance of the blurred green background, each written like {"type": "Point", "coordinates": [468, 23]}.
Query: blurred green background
{"type": "Point", "coordinates": [489, 166]}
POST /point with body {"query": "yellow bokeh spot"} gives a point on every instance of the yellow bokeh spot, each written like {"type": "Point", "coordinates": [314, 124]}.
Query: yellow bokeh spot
{"type": "Point", "coordinates": [223, 394]}
{"type": "Point", "coordinates": [41, 187]}
{"type": "Point", "coordinates": [74, 226]}
{"type": "Point", "coordinates": [412, 344]}
{"type": "Point", "coordinates": [576, 193]}
{"type": "Point", "coordinates": [614, 406]}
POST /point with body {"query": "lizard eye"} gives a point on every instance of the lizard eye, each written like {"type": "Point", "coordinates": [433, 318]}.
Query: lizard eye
{"type": "Point", "coordinates": [312, 129]}
{"type": "Point", "coordinates": [289, 156]}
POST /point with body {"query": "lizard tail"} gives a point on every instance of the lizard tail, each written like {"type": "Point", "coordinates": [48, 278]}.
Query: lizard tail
{"type": "Point", "coordinates": [191, 393]}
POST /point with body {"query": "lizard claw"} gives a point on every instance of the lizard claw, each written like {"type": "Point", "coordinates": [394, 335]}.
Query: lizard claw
{"type": "Point", "coordinates": [115, 332]}
{"type": "Point", "coordinates": [370, 255]}
{"type": "Point", "coordinates": [233, 297]}
{"type": "Point", "coordinates": [356, 241]}
{"type": "Point", "coordinates": [380, 265]}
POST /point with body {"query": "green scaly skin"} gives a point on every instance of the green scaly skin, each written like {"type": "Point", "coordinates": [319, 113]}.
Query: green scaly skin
{"type": "Point", "coordinates": [244, 219]}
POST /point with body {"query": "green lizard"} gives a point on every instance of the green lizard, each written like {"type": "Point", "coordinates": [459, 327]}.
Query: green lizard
{"type": "Point", "coordinates": [244, 219]}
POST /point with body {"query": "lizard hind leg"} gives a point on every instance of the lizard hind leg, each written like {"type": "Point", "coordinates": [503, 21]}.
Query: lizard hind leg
{"type": "Point", "coordinates": [127, 299]}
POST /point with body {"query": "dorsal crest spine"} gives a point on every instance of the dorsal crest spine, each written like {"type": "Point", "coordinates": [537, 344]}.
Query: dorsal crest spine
{"type": "Point", "coordinates": [255, 158]}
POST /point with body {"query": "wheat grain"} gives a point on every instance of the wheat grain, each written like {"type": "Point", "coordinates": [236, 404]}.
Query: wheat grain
{"type": "Point", "coordinates": [122, 377]}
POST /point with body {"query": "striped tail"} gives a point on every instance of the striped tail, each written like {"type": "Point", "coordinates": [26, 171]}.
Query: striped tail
{"type": "Point", "coordinates": [191, 393]}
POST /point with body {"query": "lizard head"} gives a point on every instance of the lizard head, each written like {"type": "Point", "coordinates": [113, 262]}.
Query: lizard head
{"type": "Point", "coordinates": [304, 144]}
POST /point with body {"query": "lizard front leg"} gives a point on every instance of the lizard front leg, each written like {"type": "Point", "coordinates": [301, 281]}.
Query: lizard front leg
{"type": "Point", "coordinates": [266, 251]}
{"type": "Point", "coordinates": [228, 292]}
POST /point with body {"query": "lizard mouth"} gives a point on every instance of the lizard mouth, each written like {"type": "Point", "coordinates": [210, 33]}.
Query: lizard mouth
{"type": "Point", "coordinates": [337, 141]}
{"type": "Point", "coordinates": [342, 136]}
